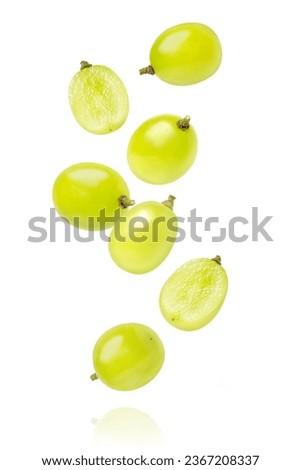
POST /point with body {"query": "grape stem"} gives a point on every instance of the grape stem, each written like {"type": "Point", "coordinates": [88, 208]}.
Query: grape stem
{"type": "Point", "coordinates": [183, 124]}
{"type": "Point", "coordinates": [93, 377]}
{"type": "Point", "coordinates": [217, 259]}
{"type": "Point", "coordinates": [84, 64]}
{"type": "Point", "coordinates": [169, 202]}
{"type": "Point", "coordinates": [125, 202]}
{"type": "Point", "coordinates": [147, 70]}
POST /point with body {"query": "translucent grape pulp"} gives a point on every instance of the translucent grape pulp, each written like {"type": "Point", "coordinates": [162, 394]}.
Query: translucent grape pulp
{"type": "Point", "coordinates": [193, 295]}
{"type": "Point", "coordinates": [98, 99]}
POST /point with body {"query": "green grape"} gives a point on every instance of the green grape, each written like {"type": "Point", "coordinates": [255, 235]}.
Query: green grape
{"type": "Point", "coordinates": [194, 294]}
{"type": "Point", "coordinates": [145, 236]}
{"type": "Point", "coordinates": [185, 54]}
{"type": "Point", "coordinates": [87, 193]}
{"type": "Point", "coordinates": [162, 149]}
{"type": "Point", "coordinates": [127, 356]}
{"type": "Point", "coordinates": [98, 99]}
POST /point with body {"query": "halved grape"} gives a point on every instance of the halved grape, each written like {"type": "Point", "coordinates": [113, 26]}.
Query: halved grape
{"type": "Point", "coordinates": [162, 149]}
{"type": "Point", "coordinates": [185, 54]}
{"type": "Point", "coordinates": [127, 356]}
{"type": "Point", "coordinates": [194, 294]}
{"type": "Point", "coordinates": [98, 99]}
{"type": "Point", "coordinates": [86, 194]}
{"type": "Point", "coordinates": [144, 237]}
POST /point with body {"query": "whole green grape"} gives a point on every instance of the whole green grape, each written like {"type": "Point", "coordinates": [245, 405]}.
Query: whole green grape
{"type": "Point", "coordinates": [127, 356]}
{"type": "Point", "coordinates": [144, 237]}
{"type": "Point", "coordinates": [86, 194]}
{"type": "Point", "coordinates": [98, 99]}
{"type": "Point", "coordinates": [162, 149]}
{"type": "Point", "coordinates": [194, 294]}
{"type": "Point", "coordinates": [185, 54]}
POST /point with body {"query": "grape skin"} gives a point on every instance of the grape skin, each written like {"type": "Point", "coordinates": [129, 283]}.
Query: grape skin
{"type": "Point", "coordinates": [193, 295]}
{"type": "Point", "coordinates": [98, 99]}
{"type": "Point", "coordinates": [137, 256]}
{"type": "Point", "coordinates": [128, 356]}
{"type": "Point", "coordinates": [185, 54]}
{"type": "Point", "coordinates": [160, 152]}
{"type": "Point", "coordinates": [82, 190]}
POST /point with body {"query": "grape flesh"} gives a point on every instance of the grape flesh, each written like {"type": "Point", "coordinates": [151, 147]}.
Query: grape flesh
{"type": "Point", "coordinates": [194, 294]}
{"type": "Point", "coordinates": [128, 356]}
{"type": "Point", "coordinates": [86, 193]}
{"type": "Point", "coordinates": [185, 54]}
{"type": "Point", "coordinates": [145, 237]}
{"type": "Point", "coordinates": [162, 149]}
{"type": "Point", "coordinates": [98, 99]}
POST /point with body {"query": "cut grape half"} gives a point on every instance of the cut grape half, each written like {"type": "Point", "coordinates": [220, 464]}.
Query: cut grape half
{"type": "Point", "coordinates": [194, 294]}
{"type": "Point", "coordinates": [98, 99]}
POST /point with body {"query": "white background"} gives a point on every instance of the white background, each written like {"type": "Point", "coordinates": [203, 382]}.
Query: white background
{"type": "Point", "coordinates": [230, 388]}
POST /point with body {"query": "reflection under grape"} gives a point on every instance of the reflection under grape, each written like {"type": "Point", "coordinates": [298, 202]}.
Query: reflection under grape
{"type": "Point", "coordinates": [127, 427]}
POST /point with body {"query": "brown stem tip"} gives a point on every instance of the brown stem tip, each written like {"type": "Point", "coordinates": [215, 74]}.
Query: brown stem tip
{"type": "Point", "coordinates": [147, 70]}
{"type": "Point", "coordinates": [217, 259]}
{"type": "Point", "coordinates": [183, 124]}
{"type": "Point", "coordinates": [93, 377]}
{"type": "Point", "coordinates": [169, 202]}
{"type": "Point", "coordinates": [84, 64]}
{"type": "Point", "coordinates": [125, 202]}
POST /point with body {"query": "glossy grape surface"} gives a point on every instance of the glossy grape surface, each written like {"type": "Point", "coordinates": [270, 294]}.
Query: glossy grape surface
{"type": "Point", "coordinates": [194, 294]}
{"type": "Point", "coordinates": [128, 356]}
{"type": "Point", "coordinates": [160, 151]}
{"type": "Point", "coordinates": [98, 99]}
{"type": "Point", "coordinates": [82, 190]}
{"type": "Point", "coordinates": [141, 252]}
{"type": "Point", "coordinates": [185, 54]}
